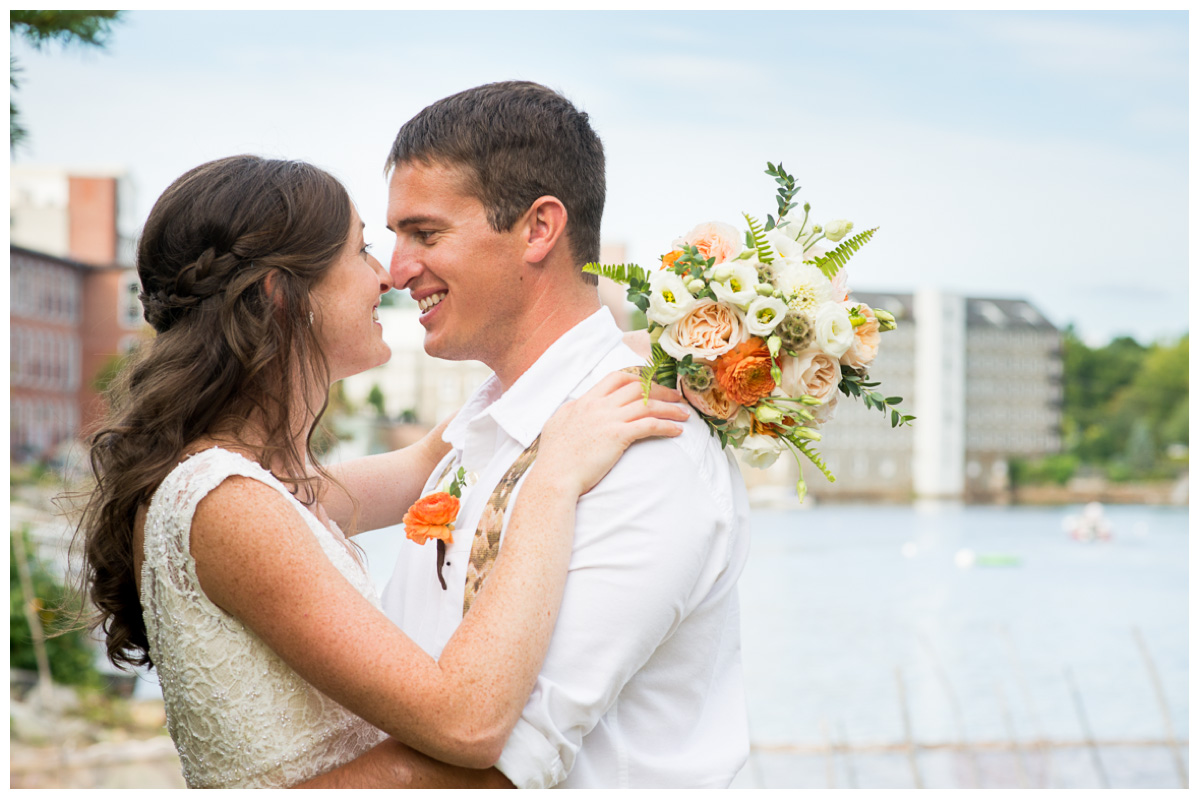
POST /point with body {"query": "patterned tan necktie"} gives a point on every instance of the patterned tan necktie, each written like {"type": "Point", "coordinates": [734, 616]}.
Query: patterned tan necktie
{"type": "Point", "coordinates": [487, 536]}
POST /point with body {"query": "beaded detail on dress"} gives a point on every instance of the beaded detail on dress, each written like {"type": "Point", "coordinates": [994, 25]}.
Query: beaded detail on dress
{"type": "Point", "coordinates": [237, 713]}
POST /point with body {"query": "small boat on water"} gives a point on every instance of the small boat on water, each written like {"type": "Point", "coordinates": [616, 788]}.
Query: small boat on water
{"type": "Point", "coordinates": [1090, 526]}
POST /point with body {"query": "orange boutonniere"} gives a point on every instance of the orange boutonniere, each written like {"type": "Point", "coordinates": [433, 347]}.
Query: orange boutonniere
{"type": "Point", "coordinates": [434, 515]}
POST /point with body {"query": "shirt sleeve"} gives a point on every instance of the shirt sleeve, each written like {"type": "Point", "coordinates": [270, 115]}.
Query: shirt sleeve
{"type": "Point", "coordinates": [651, 540]}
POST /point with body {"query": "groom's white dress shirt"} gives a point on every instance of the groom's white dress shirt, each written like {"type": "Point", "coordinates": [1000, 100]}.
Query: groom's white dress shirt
{"type": "Point", "coordinates": [642, 686]}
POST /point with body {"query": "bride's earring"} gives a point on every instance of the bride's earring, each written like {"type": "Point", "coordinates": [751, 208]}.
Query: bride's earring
{"type": "Point", "coordinates": [310, 319]}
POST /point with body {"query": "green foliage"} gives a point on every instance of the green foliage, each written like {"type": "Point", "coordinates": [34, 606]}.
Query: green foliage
{"type": "Point", "coordinates": [108, 373]}
{"type": "Point", "coordinates": [72, 658]}
{"type": "Point", "coordinates": [661, 369]}
{"type": "Point", "coordinates": [40, 28]}
{"type": "Point", "coordinates": [1125, 405]}
{"type": "Point", "coordinates": [787, 190]}
{"type": "Point", "coordinates": [835, 259]}
{"type": "Point", "coordinates": [375, 398]}
{"type": "Point", "coordinates": [691, 264]}
{"type": "Point", "coordinates": [855, 386]}
{"type": "Point", "coordinates": [756, 239]}
{"type": "Point", "coordinates": [631, 275]}
{"type": "Point", "coordinates": [1058, 469]}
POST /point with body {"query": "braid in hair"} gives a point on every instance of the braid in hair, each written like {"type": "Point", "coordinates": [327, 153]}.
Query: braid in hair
{"type": "Point", "coordinates": [225, 352]}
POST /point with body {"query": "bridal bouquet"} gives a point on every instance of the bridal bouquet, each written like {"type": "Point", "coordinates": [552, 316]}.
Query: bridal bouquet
{"type": "Point", "coordinates": [757, 330]}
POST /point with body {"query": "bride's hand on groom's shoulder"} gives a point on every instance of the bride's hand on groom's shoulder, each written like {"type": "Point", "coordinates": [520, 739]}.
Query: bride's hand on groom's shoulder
{"type": "Point", "coordinates": [585, 437]}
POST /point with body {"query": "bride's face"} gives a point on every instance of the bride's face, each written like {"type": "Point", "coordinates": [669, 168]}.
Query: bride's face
{"type": "Point", "coordinates": [346, 307]}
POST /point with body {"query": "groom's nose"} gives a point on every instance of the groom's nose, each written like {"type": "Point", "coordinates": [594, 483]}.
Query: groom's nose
{"type": "Point", "coordinates": [403, 267]}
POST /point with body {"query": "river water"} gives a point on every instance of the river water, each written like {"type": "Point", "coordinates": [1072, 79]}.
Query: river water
{"type": "Point", "coordinates": [845, 609]}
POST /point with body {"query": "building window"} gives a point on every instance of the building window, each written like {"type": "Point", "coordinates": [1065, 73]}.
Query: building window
{"type": "Point", "coordinates": [131, 306]}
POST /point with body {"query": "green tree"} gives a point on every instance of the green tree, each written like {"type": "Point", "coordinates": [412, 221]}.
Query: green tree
{"type": "Point", "coordinates": [1091, 381]}
{"type": "Point", "coordinates": [375, 398]}
{"type": "Point", "coordinates": [72, 658]}
{"type": "Point", "coordinates": [40, 28]}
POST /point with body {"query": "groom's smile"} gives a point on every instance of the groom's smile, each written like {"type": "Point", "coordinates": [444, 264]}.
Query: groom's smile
{"type": "Point", "coordinates": [464, 276]}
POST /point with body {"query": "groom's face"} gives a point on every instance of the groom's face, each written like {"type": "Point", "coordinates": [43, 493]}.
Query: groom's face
{"type": "Point", "coordinates": [464, 275]}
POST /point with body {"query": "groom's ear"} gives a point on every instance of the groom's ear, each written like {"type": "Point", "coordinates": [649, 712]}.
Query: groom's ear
{"type": "Point", "coordinates": [542, 226]}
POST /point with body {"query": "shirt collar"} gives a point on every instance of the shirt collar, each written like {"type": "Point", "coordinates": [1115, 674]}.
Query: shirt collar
{"type": "Point", "coordinates": [522, 411]}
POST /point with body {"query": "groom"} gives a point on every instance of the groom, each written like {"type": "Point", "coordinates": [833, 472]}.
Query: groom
{"type": "Point", "coordinates": [642, 686]}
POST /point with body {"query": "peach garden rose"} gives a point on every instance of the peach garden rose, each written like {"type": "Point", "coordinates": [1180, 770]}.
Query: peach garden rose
{"type": "Point", "coordinates": [865, 345]}
{"type": "Point", "coordinates": [812, 373]}
{"type": "Point", "coordinates": [716, 240]}
{"type": "Point", "coordinates": [706, 331]}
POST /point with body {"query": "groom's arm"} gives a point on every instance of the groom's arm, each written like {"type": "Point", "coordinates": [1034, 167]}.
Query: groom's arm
{"type": "Point", "coordinates": [651, 541]}
{"type": "Point", "coordinates": [385, 485]}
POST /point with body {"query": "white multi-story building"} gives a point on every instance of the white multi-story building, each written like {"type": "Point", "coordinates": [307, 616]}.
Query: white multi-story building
{"type": "Point", "coordinates": [983, 377]}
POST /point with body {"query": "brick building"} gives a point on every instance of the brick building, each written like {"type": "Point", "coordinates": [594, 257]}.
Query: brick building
{"type": "Point", "coordinates": [72, 304]}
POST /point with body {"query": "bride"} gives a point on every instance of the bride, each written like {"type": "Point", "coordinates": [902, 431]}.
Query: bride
{"type": "Point", "coordinates": [213, 540]}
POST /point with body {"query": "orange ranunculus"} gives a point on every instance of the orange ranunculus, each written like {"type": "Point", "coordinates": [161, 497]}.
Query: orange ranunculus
{"type": "Point", "coordinates": [745, 372]}
{"type": "Point", "coordinates": [668, 261]}
{"type": "Point", "coordinates": [432, 517]}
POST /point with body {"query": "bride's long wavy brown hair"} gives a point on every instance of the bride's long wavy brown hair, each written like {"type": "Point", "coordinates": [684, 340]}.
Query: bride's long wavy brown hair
{"type": "Point", "coordinates": [226, 261]}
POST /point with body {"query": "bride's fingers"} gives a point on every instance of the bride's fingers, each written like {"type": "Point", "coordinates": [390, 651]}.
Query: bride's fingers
{"type": "Point", "coordinates": [656, 408]}
{"type": "Point", "coordinates": [660, 392]}
{"type": "Point", "coordinates": [651, 426]}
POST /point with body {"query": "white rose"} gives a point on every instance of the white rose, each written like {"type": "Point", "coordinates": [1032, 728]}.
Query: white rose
{"type": "Point", "coordinates": [761, 451]}
{"type": "Point", "coordinates": [834, 333]}
{"type": "Point", "coordinates": [837, 229]}
{"type": "Point", "coordinates": [739, 289]}
{"type": "Point", "coordinates": [764, 314]}
{"type": "Point", "coordinates": [669, 298]}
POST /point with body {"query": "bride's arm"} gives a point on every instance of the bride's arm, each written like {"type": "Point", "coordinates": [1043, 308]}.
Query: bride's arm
{"type": "Point", "coordinates": [385, 484]}
{"type": "Point", "coordinates": [393, 765]}
{"type": "Point", "coordinates": [257, 560]}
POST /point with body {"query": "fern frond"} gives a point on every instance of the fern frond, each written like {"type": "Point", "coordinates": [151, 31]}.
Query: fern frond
{"type": "Point", "coordinates": [835, 259]}
{"type": "Point", "coordinates": [659, 369]}
{"type": "Point", "coordinates": [759, 239]}
{"type": "Point", "coordinates": [620, 273]}
{"type": "Point", "coordinates": [818, 462]}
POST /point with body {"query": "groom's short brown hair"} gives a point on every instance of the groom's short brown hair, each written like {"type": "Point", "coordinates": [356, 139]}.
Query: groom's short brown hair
{"type": "Point", "coordinates": [515, 141]}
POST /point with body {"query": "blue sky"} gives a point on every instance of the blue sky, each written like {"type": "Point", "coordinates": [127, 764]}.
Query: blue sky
{"type": "Point", "coordinates": [1012, 154]}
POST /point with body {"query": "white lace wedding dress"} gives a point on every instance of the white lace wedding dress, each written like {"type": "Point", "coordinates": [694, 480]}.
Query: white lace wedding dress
{"type": "Point", "coordinates": [238, 714]}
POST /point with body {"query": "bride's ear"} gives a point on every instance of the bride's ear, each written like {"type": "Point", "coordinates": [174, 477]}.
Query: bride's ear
{"type": "Point", "coordinates": [542, 226]}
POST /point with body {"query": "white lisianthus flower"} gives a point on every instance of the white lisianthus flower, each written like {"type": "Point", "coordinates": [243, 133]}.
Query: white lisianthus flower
{"type": "Point", "coordinates": [805, 288]}
{"type": "Point", "coordinates": [764, 314]}
{"type": "Point", "coordinates": [784, 245]}
{"type": "Point", "coordinates": [834, 333]}
{"type": "Point", "coordinates": [836, 230]}
{"type": "Point", "coordinates": [740, 288]}
{"type": "Point", "coordinates": [788, 230]}
{"type": "Point", "coordinates": [670, 299]}
{"type": "Point", "coordinates": [761, 451]}
{"type": "Point", "coordinates": [743, 420]}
